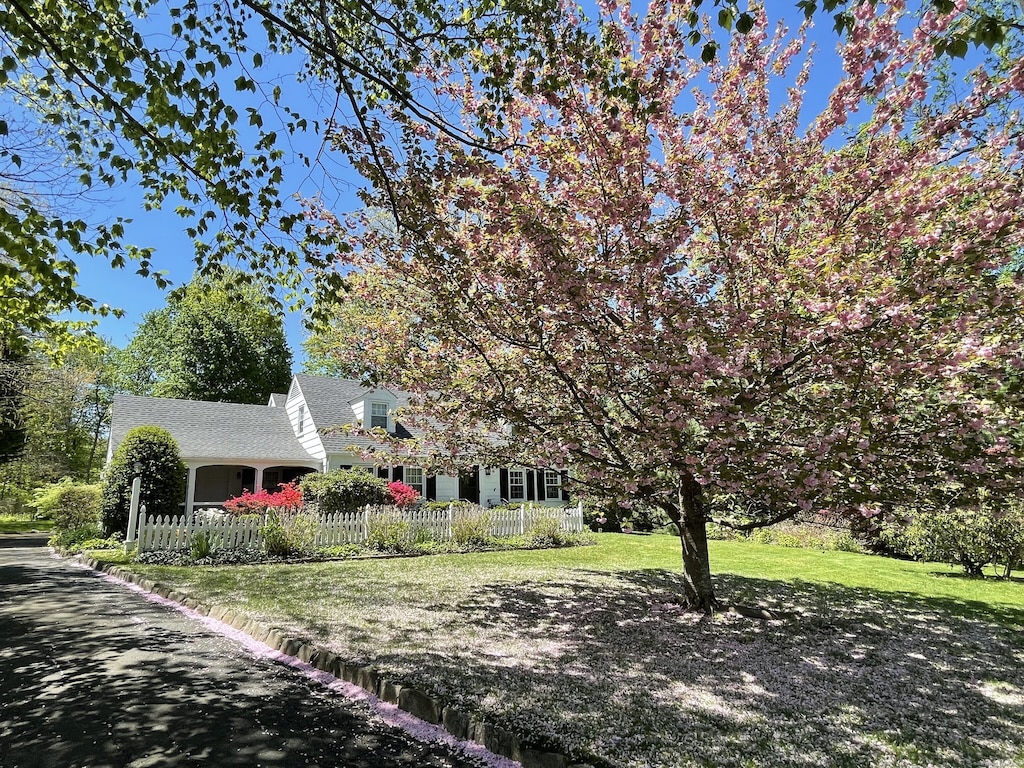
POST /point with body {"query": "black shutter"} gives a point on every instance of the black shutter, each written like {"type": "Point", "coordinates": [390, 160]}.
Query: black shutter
{"type": "Point", "coordinates": [541, 490]}
{"type": "Point", "coordinates": [531, 485]}
{"type": "Point", "coordinates": [382, 473]}
{"type": "Point", "coordinates": [503, 484]}
{"type": "Point", "coordinates": [432, 488]}
{"type": "Point", "coordinates": [397, 473]}
{"type": "Point", "coordinates": [565, 491]}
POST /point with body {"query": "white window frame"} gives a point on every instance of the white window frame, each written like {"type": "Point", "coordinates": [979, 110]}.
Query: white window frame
{"type": "Point", "coordinates": [421, 484]}
{"type": "Point", "coordinates": [374, 416]}
{"type": "Point", "coordinates": [517, 481]}
{"type": "Point", "coordinates": [552, 484]}
{"type": "Point", "coordinates": [301, 420]}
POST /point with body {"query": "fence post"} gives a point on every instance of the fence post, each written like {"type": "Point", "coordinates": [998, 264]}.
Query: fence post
{"type": "Point", "coordinates": [579, 516]}
{"type": "Point", "coordinates": [451, 520]}
{"type": "Point", "coordinates": [140, 542]}
{"type": "Point", "coordinates": [133, 512]}
{"type": "Point", "coordinates": [366, 524]}
{"type": "Point", "coordinates": [522, 519]}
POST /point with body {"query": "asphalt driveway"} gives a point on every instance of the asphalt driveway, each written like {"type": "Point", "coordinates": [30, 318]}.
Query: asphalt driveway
{"type": "Point", "coordinates": [94, 675]}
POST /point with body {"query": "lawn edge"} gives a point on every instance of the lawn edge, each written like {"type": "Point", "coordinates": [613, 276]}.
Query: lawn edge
{"type": "Point", "coordinates": [425, 707]}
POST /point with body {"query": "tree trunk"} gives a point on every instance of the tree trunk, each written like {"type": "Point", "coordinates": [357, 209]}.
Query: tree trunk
{"type": "Point", "coordinates": [691, 521]}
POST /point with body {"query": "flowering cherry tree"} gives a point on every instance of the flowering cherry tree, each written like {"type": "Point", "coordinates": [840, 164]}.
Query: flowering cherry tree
{"type": "Point", "coordinates": [680, 286]}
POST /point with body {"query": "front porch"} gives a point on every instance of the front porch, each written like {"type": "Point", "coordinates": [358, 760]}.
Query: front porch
{"type": "Point", "coordinates": [210, 485]}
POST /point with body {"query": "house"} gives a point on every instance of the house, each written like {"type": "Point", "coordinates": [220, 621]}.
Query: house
{"type": "Point", "coordinates": [230, 447]}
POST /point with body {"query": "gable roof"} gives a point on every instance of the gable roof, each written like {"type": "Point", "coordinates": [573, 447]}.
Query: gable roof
{"type": "Point", "coordinates": [329, 403]}
{"type": "Point", "coordinates": [211, 430]}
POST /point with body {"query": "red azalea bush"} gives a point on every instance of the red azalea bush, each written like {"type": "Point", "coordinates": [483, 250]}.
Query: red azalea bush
{"type": "Point", "coordinates": [403, 495]}
{"type": "Point", "coordinates": [288, 499]}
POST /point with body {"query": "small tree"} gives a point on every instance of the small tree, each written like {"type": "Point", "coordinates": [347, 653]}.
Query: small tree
{"type": "Point", "coordinates": [73, 507]}
{"type": "Point", "coordinates": [161, 469]}
{"type": "Point", "coordinates": [343, 490]}
{"type": "Point", "coordinates": [988, 534]}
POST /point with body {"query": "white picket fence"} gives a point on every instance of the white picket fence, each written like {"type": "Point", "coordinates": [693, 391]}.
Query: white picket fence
{"type": "Point", "coordinates": [167, 532]}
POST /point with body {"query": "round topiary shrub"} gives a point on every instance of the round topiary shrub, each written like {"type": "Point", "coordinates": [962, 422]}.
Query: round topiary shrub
{"type": "Point", "coordinates": [343, 490]}
{"type": "Point", "coordinates": [163, 477]}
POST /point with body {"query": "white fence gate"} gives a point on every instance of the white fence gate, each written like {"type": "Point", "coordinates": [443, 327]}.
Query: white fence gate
{"type": "Point", "coordinates": [166, 532]}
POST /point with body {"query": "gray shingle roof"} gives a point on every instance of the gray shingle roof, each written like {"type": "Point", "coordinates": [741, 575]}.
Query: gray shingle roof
{"type": "Point", "coordinates": [220, 430]}
{"type": "Point", "coordinates": [330, 405]}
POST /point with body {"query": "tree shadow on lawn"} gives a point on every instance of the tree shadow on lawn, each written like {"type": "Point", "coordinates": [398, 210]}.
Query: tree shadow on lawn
{"type": "Point", "coordinates": [610, 668]}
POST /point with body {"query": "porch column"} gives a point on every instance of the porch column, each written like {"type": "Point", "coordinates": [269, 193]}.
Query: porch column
{"type": "Point", "coordinates": [258, 482]}
{"type": "Point", "coordinates": [190, 493]}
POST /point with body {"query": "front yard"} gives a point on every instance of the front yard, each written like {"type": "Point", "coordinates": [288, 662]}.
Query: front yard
{"type": "Point", "coordinates": [883, 663]}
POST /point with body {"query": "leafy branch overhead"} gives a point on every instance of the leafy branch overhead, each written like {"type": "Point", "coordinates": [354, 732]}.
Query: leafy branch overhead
{"type": "Point", "coordinates": [204, 106]}
{"type": "Point", "coordinates": [193, 103]}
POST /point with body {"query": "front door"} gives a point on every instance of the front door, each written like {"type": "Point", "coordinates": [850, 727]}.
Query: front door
{"type": "Point", "coordinates": [469, 485]}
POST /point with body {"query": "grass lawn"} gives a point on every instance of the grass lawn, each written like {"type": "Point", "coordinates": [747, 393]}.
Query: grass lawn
{"type": "Point", "coordinates": [885, 663]}
{"type": "Point", "coordinates": [23, 524]}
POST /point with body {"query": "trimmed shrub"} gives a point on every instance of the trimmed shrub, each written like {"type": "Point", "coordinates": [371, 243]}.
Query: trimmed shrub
{"type": "Point", "coordinates": [74, 509]}
{"type": "Point", "coordinates": [163, 477]}
{"type": "Point", "coordinates": [343, 490]}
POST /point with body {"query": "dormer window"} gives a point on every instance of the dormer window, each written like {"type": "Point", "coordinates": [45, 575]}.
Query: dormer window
{"type": "Point", "coordinates": [378, 415]}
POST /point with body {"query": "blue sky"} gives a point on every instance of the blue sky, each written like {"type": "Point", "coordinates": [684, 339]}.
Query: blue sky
{"type": "Point", "coordinates": [163, 230]}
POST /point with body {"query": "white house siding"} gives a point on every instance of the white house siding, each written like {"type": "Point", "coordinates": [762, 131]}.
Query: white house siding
{"type": "Point", "coordinates": [310, 438]}
{"type": "Point", "coordinates": [339, 460]}
{"type": "Point", "coordinates": [490, 488]}
{"type": "Point", "coordinates": [447, 488]}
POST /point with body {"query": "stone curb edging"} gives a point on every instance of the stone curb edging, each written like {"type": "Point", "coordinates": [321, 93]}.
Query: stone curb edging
{"type": "Point", "coordinates": [411, 700]}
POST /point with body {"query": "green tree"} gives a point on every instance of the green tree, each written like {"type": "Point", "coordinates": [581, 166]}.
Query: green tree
{"type": "Point", "coordinates": [217, 339]}
{"type": "Point", "coordinates": [192, 102]}
{"type": "Point", "coordinates": [12, 389]}
{"type": "Point", "coordinates": [162, 471]}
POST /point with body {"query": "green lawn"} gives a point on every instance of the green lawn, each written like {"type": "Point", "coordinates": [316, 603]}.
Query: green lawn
{"type": "Point", "coordinates": [23, 524]}
{"type": "Point", "coordinates": [884, 663]}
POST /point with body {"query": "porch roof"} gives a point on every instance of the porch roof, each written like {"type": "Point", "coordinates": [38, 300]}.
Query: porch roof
{"type": "Point", "coordinates": [228, 431]}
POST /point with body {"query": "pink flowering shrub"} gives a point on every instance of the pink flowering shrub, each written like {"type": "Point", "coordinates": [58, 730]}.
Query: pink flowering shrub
{"type": "Point", "coordinates": [287, 499]}
{"type": "Point", "coordinates": [403, 495]}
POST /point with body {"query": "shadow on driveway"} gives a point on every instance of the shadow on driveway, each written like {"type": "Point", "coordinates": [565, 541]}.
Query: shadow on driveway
{"type": "Point", "coordinates": [92, 675]}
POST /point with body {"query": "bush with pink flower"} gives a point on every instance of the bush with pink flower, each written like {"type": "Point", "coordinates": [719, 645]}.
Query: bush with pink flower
{"type": "Point", "coordinates": [287, 499]}
{"type": "Point", "coordinates": [403, 495]}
